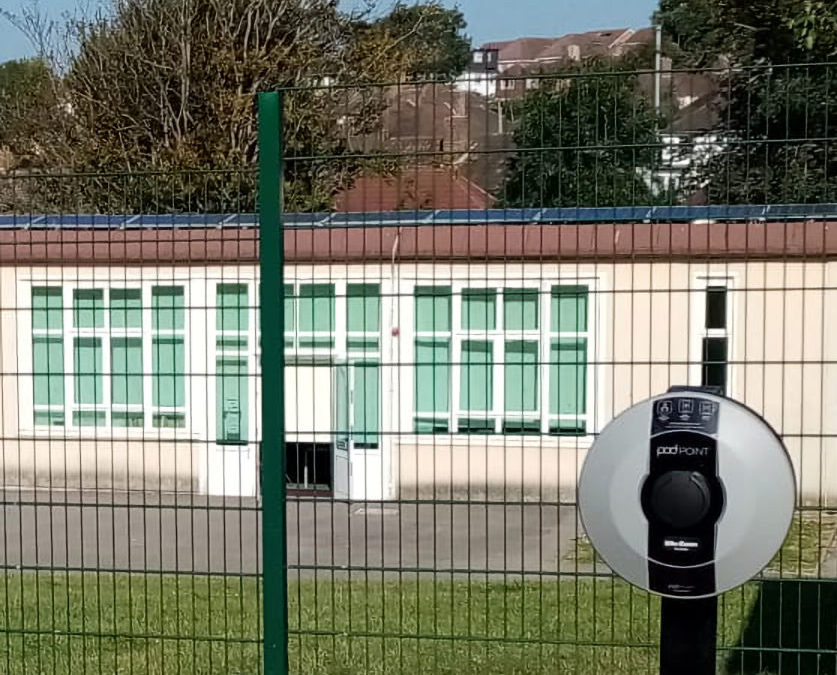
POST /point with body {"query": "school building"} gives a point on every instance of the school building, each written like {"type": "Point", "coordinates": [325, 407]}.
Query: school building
{"type": "Point", "coordinates": [430, 355]}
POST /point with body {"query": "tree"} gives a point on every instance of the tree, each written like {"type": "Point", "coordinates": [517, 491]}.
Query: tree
{"type": "Point", "coordinates": [157, 103]}
{"type": "Point", "coordinates": [589, 140]}
{"type": "Point", "coordinates": [26, 101]}
{"type": "Point", "coordinates": [775, 125]}
{"type": "Point", "coordinates": [428, 39]}
{"type": "Point", "coordinates": [745, 32]}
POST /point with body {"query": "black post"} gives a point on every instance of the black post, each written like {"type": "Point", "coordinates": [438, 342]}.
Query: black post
{"type": "Point", "coordinates": [688, 636]}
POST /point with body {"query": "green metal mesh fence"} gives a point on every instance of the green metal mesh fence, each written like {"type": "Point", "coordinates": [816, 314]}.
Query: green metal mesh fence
{"type": "Point", "coordinates": [416, 338]}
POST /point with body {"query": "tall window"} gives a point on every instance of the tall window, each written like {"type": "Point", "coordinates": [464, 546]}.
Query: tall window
{"type": "Point", "coordinates": [168, 357]}
{"type": "Point", "coordinates": [715, 341]}
{"type": "Point", "coordinates": [363, 339]}
{"type": "Point", "coordinates": [126, 358]}
{"type": "Point", "coordinates": [502, 354]}
{"type": "Point", "coordinates": [231, 372]}
{"type": "Point", "coordinates": [432, 359]}
{"type": "Point", "coordinates": [568, 338]}
{"type": "Point", "coordinates": [48, 355]}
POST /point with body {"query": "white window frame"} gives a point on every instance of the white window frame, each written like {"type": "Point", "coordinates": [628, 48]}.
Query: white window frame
{"type": "Point", "coordinates": [699, 331]}
{"type": "Point", "coordinates": [26, 410]}
{"type": "Point", "coordinates": [499, 336]}
{"type": "Point", "coordinates": [507, 84]}
{"type": "Point", "coordinates": [433, 335]}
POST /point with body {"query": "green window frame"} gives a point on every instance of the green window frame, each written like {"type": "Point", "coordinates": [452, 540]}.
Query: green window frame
{"type": "Point", "coordinates": [48, 356]}
{"type": "Point", "coordinates": [476, 387]}
{"type": "Point", "coordinates": [432, 359]}
{"type": "Point", "coordinates": [127, 358]}
{"type": "Point", "coordinates": [568, 360]}
{"type": "Point", "coordinates": [232, 377]}
{"type": "Point", "coordinates": [363, 318]}
{"type": "Point", "coordinates": [316, 316]}
{"type": "Point", "coordinates": [168, 357]}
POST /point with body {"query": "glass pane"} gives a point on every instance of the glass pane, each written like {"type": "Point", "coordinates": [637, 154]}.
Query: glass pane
{"type": "Point", "coordinates": [363, 308]}
{"type": "Point", "coordinates": [232, 307]}
{"type": "Point", "coordinates": [362, 344]}
{"type": "Point", "coordinates": [520, 309]}
{"type": "Point", "coordinates": [231, 344]}
{"type": "Point", "coordinates": [476, 385]}
{"type": "Point", "coordinates": [433, 308]}
{"type": "Point", "coordinates": [289, 308]}
{"type": "Point", "coordinates": [522, 427]}
{"type": "Point", "coordinates": [169, 420]}
{"type": "Point", "coordinates": [568, 313]}
{"type": "Point", "coordinates": [48, 370]}
{"type": "Point", "coordinates": [430, 426]}
{"type": "Point", "coordinates": [316, 308]}
{"type": "Point", "coordinates": [432, 376]}
{"type": "Point", "coordinates": [521, 376]}
{"type": "Point", "coordinates": [131, 419]}
{"type": "Point", "coordinates": [47, 311]}
{"type": "Point", "coordinates": [168, 367]}
{"type": "Point", "coordinates": [88, 308]}
{"type": "Point", "coordinates": [89, 418]}
{"type": "Point", "coordinates": [475, 426]}
{"type": "Point", "coordinates": [231, 400]}
{"type": "Point", "coordinates": [49, 418]}
{"type": "Point", "coordinates": [479, 309]}
{"type": "Point", "coordinates": [125, 308]}
{"type": "Point", "coordinates": [366, 404]}
{"type": "Point", "coordinates": [87, 370]}
{"type": "Point", "coordinates": [126, 369]}
{"type": "Point", "coordinates": [568, 376]}
{"type": "Point", "coordinates": [714, 363]}
{"type": "Point", "coordinates": [167, 308]}
{"type": "Point", "coordinates": [716, 307]}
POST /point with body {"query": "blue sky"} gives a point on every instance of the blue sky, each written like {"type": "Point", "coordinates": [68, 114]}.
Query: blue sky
{"type": "Point", "coordinates": [487, 19]}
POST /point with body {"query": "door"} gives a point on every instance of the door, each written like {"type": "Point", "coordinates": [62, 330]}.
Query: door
{"type": "Point", "coordinates": [341, 416]}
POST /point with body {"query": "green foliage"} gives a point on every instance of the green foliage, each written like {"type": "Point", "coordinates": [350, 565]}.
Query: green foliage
{"type": "Point", "coordinates": [590, 140]}
{"type": "Point", "coordinates": [26, 96]}
{"type": "Point", "coordinates": [745, 32]}
{"type": "Point", "coordinates": [775, 133]}
{"type": "Point", "coordinates": [774, 122]}
{"type": "Point", "coordinates": [158, 101]}
{"type": "Point", "coordinates": [430, 38]}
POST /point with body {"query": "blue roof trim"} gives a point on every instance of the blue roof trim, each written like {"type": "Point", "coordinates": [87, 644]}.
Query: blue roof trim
{"type": "Point", "coordinates": [439, 217]}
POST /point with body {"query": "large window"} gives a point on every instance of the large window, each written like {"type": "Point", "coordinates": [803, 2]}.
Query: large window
{"type": "Point", "coordinates": [91, 357]}
{"type": "Point", "coordinates": [515, 362]}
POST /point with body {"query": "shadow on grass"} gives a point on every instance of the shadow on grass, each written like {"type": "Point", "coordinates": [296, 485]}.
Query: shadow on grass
{"type": "Point", "coordinates": [791, 630]}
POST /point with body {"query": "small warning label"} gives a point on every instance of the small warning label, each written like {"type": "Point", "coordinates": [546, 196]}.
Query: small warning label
{"type": "Point", "coordinates": [685, 413]}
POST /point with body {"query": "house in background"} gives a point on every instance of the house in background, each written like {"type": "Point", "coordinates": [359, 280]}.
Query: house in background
{"type": "Point", "coordinates": [447, 355]}
{"type": "Point", "coordinates": [499, 68]}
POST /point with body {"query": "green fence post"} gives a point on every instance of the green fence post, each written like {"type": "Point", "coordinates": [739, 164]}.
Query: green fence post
{"type": "Point", "coordinates": [274, 514]}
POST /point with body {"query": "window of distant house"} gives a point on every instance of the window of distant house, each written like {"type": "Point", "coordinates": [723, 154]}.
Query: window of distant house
{"type": "Point", "coordinates": [532, 83]}
{"type": "Point", "coordinates": [507, 84]}
{"type": "Point", "coordinates": [478, 57]}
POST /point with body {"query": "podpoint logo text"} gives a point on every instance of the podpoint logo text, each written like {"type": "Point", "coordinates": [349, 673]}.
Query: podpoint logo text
{"type": "Point", "coordinates": [678, 449]}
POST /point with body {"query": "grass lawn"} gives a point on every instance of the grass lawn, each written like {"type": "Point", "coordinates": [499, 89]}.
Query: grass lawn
{"type": "Point", "coordinates": [116, 623]}
{"type": "Point", "coordinates": [71, 623]}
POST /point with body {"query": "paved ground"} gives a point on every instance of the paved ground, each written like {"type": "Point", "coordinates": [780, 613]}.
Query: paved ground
{"type": "Point", "coordinates": [147, 532]}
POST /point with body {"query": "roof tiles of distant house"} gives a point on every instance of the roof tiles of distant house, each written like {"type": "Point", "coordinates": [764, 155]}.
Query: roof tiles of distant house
{"type": "Point", "coordinates": [421, 188]}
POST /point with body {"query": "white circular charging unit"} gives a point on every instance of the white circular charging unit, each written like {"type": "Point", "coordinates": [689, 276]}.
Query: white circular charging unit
{"type": "Point", "coordinates": [687, 494]}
